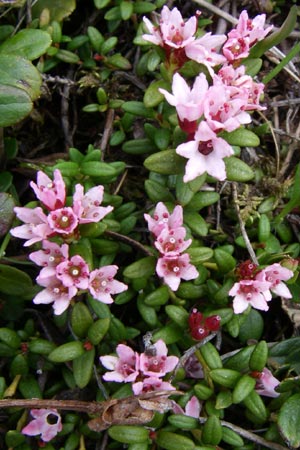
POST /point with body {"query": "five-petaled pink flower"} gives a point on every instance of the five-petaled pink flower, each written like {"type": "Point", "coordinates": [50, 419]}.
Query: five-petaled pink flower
{"type": "Point", "coordinates": [35, 228]}
{"type": "Point", "coordinates": [174, 268]}
{"type": "Point", "coordinates": [250, 292]}
{"type": "Point", "coordinates": [157, 364]}
{"type": "Point", "coordinates": [163, 219]}
{"type": "Point", "coordinates": [51, 193]}
{"type": "Point", "coordinates": [87, 206]}
{"type": "Point", "coordinates": [49, 257]}
{"type": "Point", "coordinates": [74, 272]}
{"type": "Point", "coordinates": [47, 423]}
{"type": "Point", "coordinates": [274, 275]}
{"type": "Point", "coordinates": [151, 384]}
{"type": "Point", "coordinates": [172, 31]}
{"type": "Point", "coordinates": [171, 242]}
{"type": "Point", "coordinates": [192, 408]}
{"type": "Point", "coordinates": [205, 153]}
{"type": "Point", "coordinates": [124, 367]}
{"type": "Point", "coordinates": [102, 284]}
{"type": "Point", "coordinates": [55, 292]}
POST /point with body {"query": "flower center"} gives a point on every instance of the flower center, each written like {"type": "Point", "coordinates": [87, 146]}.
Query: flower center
{"type": "Point", "coordinates": [205, 147]}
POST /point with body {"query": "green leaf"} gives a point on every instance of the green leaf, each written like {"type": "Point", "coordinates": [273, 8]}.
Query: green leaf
{"type": "Point", "coordinates": [289, 419]}
{"type": "Point", "coordinates": [83, 368]}
{"type": "Point", "coordinates": [166, 162]}
{"type": "Point", "coordinates": [28, 43]}
{"type": "Point", "coordinates": [278, 36]}
{"type": "Point", "coordinates": [7, 205]}
{"type": "Point", "coordinates": [241, 138]}
{"type": "Point", "coordinates": [8, 277]}
{"type": "Point", "coordinates": [142, 268]}
{"type": "Point", "coordinates": [21, 74]}
{"type": "Point", "coordinates": [152, 95]}
{"type": "Point", "coordinates": [237, 170]}
{"type": "Point", "coordinates": [196, 223]}
{"type": "Point", "coordinates": [15, 104]}
{"type": "Point", "coordinates": [59, 9]}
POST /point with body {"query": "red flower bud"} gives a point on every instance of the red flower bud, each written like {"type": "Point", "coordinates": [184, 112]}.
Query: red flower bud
{"type": "Point", "coordinates": [213, 323]}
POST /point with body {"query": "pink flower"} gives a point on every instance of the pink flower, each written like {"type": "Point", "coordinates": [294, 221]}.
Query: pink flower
{"type": "Point", "coordinates": [73, 272]}
{"type": "Point", "coordinates": [224, 112]}
{"type": "Point", "coordinates": [236, 47]}
{"type": "Point", "coordinates": [188, 102]}
{"type": "Point", "coordinates": [192, 408]}
{"type": "Point", "coordinates": [266, 384]}
{"type": "Point", "coordinates": [124, 367]}
{"type": "Point", "coordinates": [47, 422]}
{"type": "Point", "coordinates": [63, 220]}
{"type": "Point", "coordinates": [205, 153]}
{"type": "Point", "coordinates": [51, 193]}
{"type": "Point", "coordinates": [173, 268]}
{"type": "Point", "coordinates": [55, 292]}
{"type": "Point", "coordinates": [204, 50]}
{"type": "Point", "coordinates": [163, 219]}
{"type": "Point", "coordinates": [49, 257]}
{"type": "Point", "coordinates": [250, 292]}
{"type": "Point", "coordinates": [87, 206]}
{"type": "Point", "coordinates": [150, 384]}
{"type": "Point", "coordinates": [274, 275]}
{"type": "Point", "coordinates": [171, 242]}
{"type": "Point", "coordinates": [172, 31]}
{"type": "Point", "coordinates": [36, 227]}
{"type": "Point", "coordinates": [102, 284]}
{"type": "Point", "coordinates": [254, 29]}
{"type": "Point", "coordinates": [159, 364]}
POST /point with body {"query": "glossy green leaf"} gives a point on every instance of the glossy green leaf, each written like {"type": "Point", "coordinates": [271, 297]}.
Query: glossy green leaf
{"type": "Point", "coordinates": [7, 205]}
{"type": "Point", "coordinates": [237, 170]}
{"type": "Point", "coordinates": [59, 9]}
{"type": "Point", "coordinates": [241, 137]}
{"type": "Point", "coordinates": [28, 43]}
{"type": "Point", "coordinates": [142, 268]}
{"type": "Point", "coordinates": [153, 96]}
{"type": "Point", "coordinates": [8, 277]}
{"type": "Point", "coordinates": [166, 162]}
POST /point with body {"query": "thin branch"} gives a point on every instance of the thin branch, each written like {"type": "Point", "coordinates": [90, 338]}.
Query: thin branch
{"type": "Point", "coordinates": [72, 405]}
{"type": "Point", "coordinates": [253, 437]}
{"type": "Point", "coordinates": [242, 226]}
{"type": "Point", "coordinates": [129, 241]}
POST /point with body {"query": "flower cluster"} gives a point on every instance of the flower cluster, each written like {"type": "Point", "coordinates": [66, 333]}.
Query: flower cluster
{"type": "Point", "coordinates": [62, 276]}
{"type": "Point", "coordinates": [256, 286]}
{"type": "Point", "coordinates": [204, 110]}
{"type": "Point", "coordinates": [55, 218]}
{"type": "Point", "coordinates": [167, 228]}
{"type": "Point", "coordinates": [145, 370]}
{"type": "Point", "coordinates": [47, 423]}
{"type": "Point", "coordinates": [201, 326]}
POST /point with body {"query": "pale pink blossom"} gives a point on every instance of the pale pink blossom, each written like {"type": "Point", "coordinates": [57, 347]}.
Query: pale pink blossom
{"type": "Point", "coordinates": [171, 242]}
{"type": "Point", "coordinates": [192, 408]}
{"type": "Point", "coordinates": [51, 193]}
{"type": "Point", "coordinates": [254, 28]}
{"type": "Point", "coordinates": [224, 112]}
{"type": "Point", "coordinates": [163, 219]}
{"type": "Point", "coordinates": [87, 206]}
{"type": "Point", "coordinates": [36, 227]}
{"type": "Point", "coordinates": [205, 49]}
{"type": "Point", "coordinates": [124, 367]}
{"type": "Point", "coordinates": [150, 384]}
{"type": "Point", "coordinates": [250, 292]}
{"type": "Point", "coordinates": [47, 423]}
{"type": "Point", "coordinates": [157, 364]}
{"type": "Point", "coordinates": [55, 292]}
{"type": "Point", "coordinates": [102, 284]}
{"type": "Point", "coordinates": [172, 30]}
{"type": "Point", "coordinates": [236, 47]}
{"type": "Point", "coordinates": [49, 257]}
{"type": "Point", "coordinates": [63, 220]}
{"type": "Point", "coordinates": [174, 268]}
{"type": "Point", "coordinates": [241, 85]}
{"type": "Point", "coordinates": [73, 272]}
{"type": "Point", "coordinates": [205, 153]}
{"type": "Point", "coordinates": [187, 101]}
{"type": "Point", "coordinates": [274, 275]}
{"type": "Point", "coordinates": [266, 384]}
